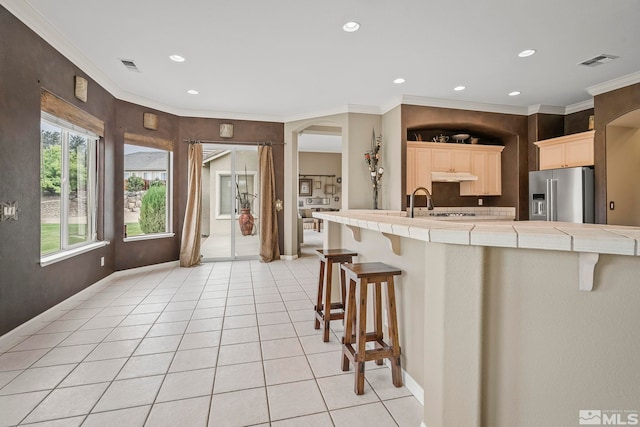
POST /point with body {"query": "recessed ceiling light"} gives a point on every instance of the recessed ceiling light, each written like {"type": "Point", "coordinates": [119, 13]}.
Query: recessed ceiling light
{"type": "Point", "coordinates": [514, 93]}
{"type": "Point", "coordinates": [459, 88]}
{"type": "Point", "coordinates": [526, 52]}
{"type": "Point", "coordinates": [192, 92]}
{"type": "Point", "coordinates": [176, 58]}
{"type": "Point", "coordinates": [351, 26]}
{"type": "Point", "coordinates": [399, 81]}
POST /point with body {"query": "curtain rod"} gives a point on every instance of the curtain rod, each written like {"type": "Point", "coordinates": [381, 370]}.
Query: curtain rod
{"type": "Point", "coordinates": [310, 174]}
{"type": "Point", "coordinates": [203, 141]}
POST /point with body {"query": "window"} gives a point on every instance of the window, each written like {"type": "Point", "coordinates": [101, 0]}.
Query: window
{"type": "Point", "coordinates": [147, 199]}
{"type": "Point", "coordinates": [245, 186]}
{"type": "Point", "coordinates": [68, 186]}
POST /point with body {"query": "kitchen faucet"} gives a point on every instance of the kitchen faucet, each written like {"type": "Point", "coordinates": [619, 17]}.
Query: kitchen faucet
{"type": "Point", "coordinates": [429, 200]}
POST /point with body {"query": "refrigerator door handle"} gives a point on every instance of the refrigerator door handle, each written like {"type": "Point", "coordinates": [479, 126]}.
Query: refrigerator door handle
{"type": "Point", "coordinates": [552, 194]}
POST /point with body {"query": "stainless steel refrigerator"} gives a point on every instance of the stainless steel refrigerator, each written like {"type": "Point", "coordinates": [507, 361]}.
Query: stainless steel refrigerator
{"type": "Point", "coordinates": [562, 195]}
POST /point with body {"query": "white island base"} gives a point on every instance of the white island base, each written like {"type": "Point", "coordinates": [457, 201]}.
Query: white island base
{"type": "Point", "coordinates": [503, 336]}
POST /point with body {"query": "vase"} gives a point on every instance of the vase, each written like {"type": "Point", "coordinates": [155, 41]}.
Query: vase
{"type": "Point", "coordinates": [375, 197]}
{"type": "Point", "coordinates": [246, 222]}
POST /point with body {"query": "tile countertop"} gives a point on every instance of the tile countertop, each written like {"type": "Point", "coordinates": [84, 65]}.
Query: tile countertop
{"type": "Point", "coordinates": [474, 230]}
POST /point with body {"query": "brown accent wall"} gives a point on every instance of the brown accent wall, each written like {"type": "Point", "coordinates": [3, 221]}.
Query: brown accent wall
{"type": "Point", "coordinates": [27, 65]}
{"type": "Point", "coordinates": [577, 122]}
{"type": "Point", "coordinates": [542, 126]}
{"type": "Point", "coordinates": [507, 129]}
{"type": "Point", "coordinates": [608, 107]}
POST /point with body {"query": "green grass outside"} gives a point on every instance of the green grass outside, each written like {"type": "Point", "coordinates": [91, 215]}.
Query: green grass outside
{"type": "Point", "coordinates": [133, 229]}
{"type": "Point", "coordinates": [50, 237]}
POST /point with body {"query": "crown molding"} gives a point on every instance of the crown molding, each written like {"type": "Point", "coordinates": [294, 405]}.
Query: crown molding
{"type": "Point", "coordinates": [545, 109]}
{"type": "Point", "coordinates": [463, 105]}
{"type": "Point", "coordinates": [579, 106]}
{"type": "Point", "coordinates": [614, 84]}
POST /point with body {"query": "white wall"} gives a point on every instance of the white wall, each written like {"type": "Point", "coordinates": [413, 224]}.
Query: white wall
{"type": "Point", "coordinates": [392, 152]}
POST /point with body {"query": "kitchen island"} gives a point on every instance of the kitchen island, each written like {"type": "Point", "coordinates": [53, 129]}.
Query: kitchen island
{"type": "Point", "coordinates": [508, 323]}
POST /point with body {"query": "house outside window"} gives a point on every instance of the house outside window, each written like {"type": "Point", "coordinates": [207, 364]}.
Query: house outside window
{"type": "Point", "coordinates": [68, 164]}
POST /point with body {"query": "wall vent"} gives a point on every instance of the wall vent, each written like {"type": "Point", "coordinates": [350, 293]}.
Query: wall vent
{"type": "Point", "coordinates": [130, 64]}
{"type": "Point", "coordinates": [603, 58]}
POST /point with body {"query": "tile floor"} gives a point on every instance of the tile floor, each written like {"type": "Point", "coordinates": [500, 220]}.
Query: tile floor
{"type": "Point", "coordinates": [222, 344]}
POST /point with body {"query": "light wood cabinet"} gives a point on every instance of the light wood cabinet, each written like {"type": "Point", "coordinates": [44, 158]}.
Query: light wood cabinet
{"type": "Point", "coordinates": [487, 166]}
{"type": "Point", "coordinates": [481, 160]}
{"type": "Point", "coordinates": [418, 167]}
{"type": "Point", "coordinates": [567, 151]}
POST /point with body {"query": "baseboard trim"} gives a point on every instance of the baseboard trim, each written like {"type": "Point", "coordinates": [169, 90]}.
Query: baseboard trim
{"type": "Point", "coordinates": [289, 257]}
{"type": "Point", "coordinates": [411, 385]}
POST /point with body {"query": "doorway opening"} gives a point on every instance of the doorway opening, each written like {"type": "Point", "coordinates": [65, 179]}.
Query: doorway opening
{"type": "Point", "coordinates": [319, 182]}
{"type": "Point", "coordinates": [623, 173]}
{"type": "Point", "coordinates": [230, 210]}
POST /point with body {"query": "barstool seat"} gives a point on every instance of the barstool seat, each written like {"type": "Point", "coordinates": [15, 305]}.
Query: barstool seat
{"type": "Point", "coordinates": [323, 309]}
{"type": "Point", "coordinates": [360, 276]}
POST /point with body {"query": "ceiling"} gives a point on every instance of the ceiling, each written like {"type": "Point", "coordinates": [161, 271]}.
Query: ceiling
{"type": "Point", "coordinates": [289, 59]}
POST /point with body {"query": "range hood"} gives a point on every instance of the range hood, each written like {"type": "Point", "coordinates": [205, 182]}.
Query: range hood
{"type": "Point", "coordinates": [452, 177]}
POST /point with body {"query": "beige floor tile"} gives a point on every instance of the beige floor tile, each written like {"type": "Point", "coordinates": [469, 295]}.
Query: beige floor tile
{"type": "Point", "coordinates": [301, 304]}
{"type": "Point", "coordinates": [86, 313]}
{"type": "Point", "coordinates": [239, 336]}
{"type": "Point", "coordinates": [171, 328]}
{"type": "Point", "coordinates": [129, 393]}
{"type": "Point", "coordinates": [406, 411]}
{"type": "Point", "coordinates": [122, 311]}
{"type": "Point", "coordinates": [290, 369]}
{"type": "Point", "coordinates": [92, 336]}
{"type": "Point", "coordinates": [245, 321]}
{"type": "Point", "coordinates": [174, 316]}
{"type": "Point", "coordinates": [113, 350]}
{"type": "Point", "coordinates": [338, 392]}
{"type": "Point", "coordinates": [199, 358]}
{"type": "Point", "coordinates": [94, 372]}
{"type": "Point", "coordinates": [380, 380]}
{"type": "Point", "coordinates": [273, 318]}
{"type": "Point", "coordinates": [285, 347]}
{"type": "Point", "coordinates": [8, 376]}
{"type": "Point", "coordinates": [67, 402]}
{"type": "Point", "coordinates": [238, 377]}
{"type": "Point", "coordinates": [266, 298]}
{"type": "Point", "coordinates": [278, 331]}
{"type": "Point", "coordinates": [313, 344]}
{"type": "Point", "coordinates": [239, 353]}
{"type": "Point", "coordinates": [187, 412]}
{"type": "Point", "coordinates": [62, 326]}
{"type": "Point", "coordinates": [35, 379]}
{"type": "Point", "coordinates": [327, 364]}
{"type": "Point", "coordinates": [205, 325]}
{"type": "Point", "coordinates": [211, 303]}
{"type": "Point", "coordinates": [63, 422]}
{"type": "Point", "coordinates": [301, 315]}
{"type": "Point", "coordinates": [35, 342]}
{"type": "Point", "coordinates": [294, 400]}
{"type": "Point", "coordinates": [200, 340]}
{"type": "Point", "coordinates": [139, 319]}
{"type": "Point", "coordinates": [187, 384]}
{"type": "Point", "coordinates": [20, 359]}
{"type": "Point", "coordinates": [373, 414]}
{"type": "Point", "coordinates": [103, 322]}
{"type": "Point", "coordinates": [147, 307]}
{"type": "Point", "coordinates": [180, 306]}
{"type": "Point", "coordinates": [239, 408]}
{"type": "Point", "coordinates": [207, 313]}
{"type": "Point", "coordinates": [128, 332]}
{"type": "Point", "coordinates": [130, 417]}
{"type": "Point", "coordinates": [240, 310]}
{"type": "Point", "coordinates": [322, 419]}
{"type": "Point", "coordinates": [142, 366]}
{"type": "Point", "coordinates": [153, 345]}
{"type": "Point", "coordinates": [65, 355]}
{"type": "Point", "coordinates": [270, 307]}
{"type": "Point", "coordinates": [15, 407]}
{"type": "Point", "coordinates": [248, 292]}
{"type": "Point", "coordinates": [307, 327]}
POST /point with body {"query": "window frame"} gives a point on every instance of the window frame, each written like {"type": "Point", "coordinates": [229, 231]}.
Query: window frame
{"type": "Point", "coordinates": [219, 175]}
{"type": "Point", "coordinates": [169, 201]}
{"type": "Point", "coordinates": [67, 250]}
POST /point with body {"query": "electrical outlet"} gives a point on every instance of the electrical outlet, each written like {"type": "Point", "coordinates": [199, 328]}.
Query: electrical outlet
{"type": "Point", "coordinates": [101, 261]}
{"type": "Point", "coordinates": [479, 202]}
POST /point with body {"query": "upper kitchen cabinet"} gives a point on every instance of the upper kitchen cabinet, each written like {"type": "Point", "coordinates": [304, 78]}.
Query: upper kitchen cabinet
{"type": "Point", "coordinates": [567, 151]}
{"type": "Point", "coordinates": [418, 167]}
{"type": "Point", "coordinates": [486, 164]}
{"type": "Point", "coordinates": [450, 159]}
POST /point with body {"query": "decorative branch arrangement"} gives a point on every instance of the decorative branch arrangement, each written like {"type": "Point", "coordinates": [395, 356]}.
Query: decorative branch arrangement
{"type": "Point", "coordinates": [372, 157]}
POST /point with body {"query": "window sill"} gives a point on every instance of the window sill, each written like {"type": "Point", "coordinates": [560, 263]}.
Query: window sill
{"type": "Point", "coordinates": [61, 256]}
{"type": "Point", "coordinates": [149, 237]}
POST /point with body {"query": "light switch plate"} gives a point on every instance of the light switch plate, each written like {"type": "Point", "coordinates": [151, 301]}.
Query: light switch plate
{"type": "Point", "coordinates": [8, 210]}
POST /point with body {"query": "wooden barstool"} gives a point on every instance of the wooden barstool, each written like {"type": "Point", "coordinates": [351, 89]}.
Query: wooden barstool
{"type": "Point", "coordinates": [360, 276]}
{"type": "Point", "coordinates": [323, 309]}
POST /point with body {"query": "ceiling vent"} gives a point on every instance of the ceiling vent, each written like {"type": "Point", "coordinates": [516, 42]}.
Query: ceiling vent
{"type": "Point", "coordinates": [130, 65]}
{"type": "Point", "coordinates": [598, 60]}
